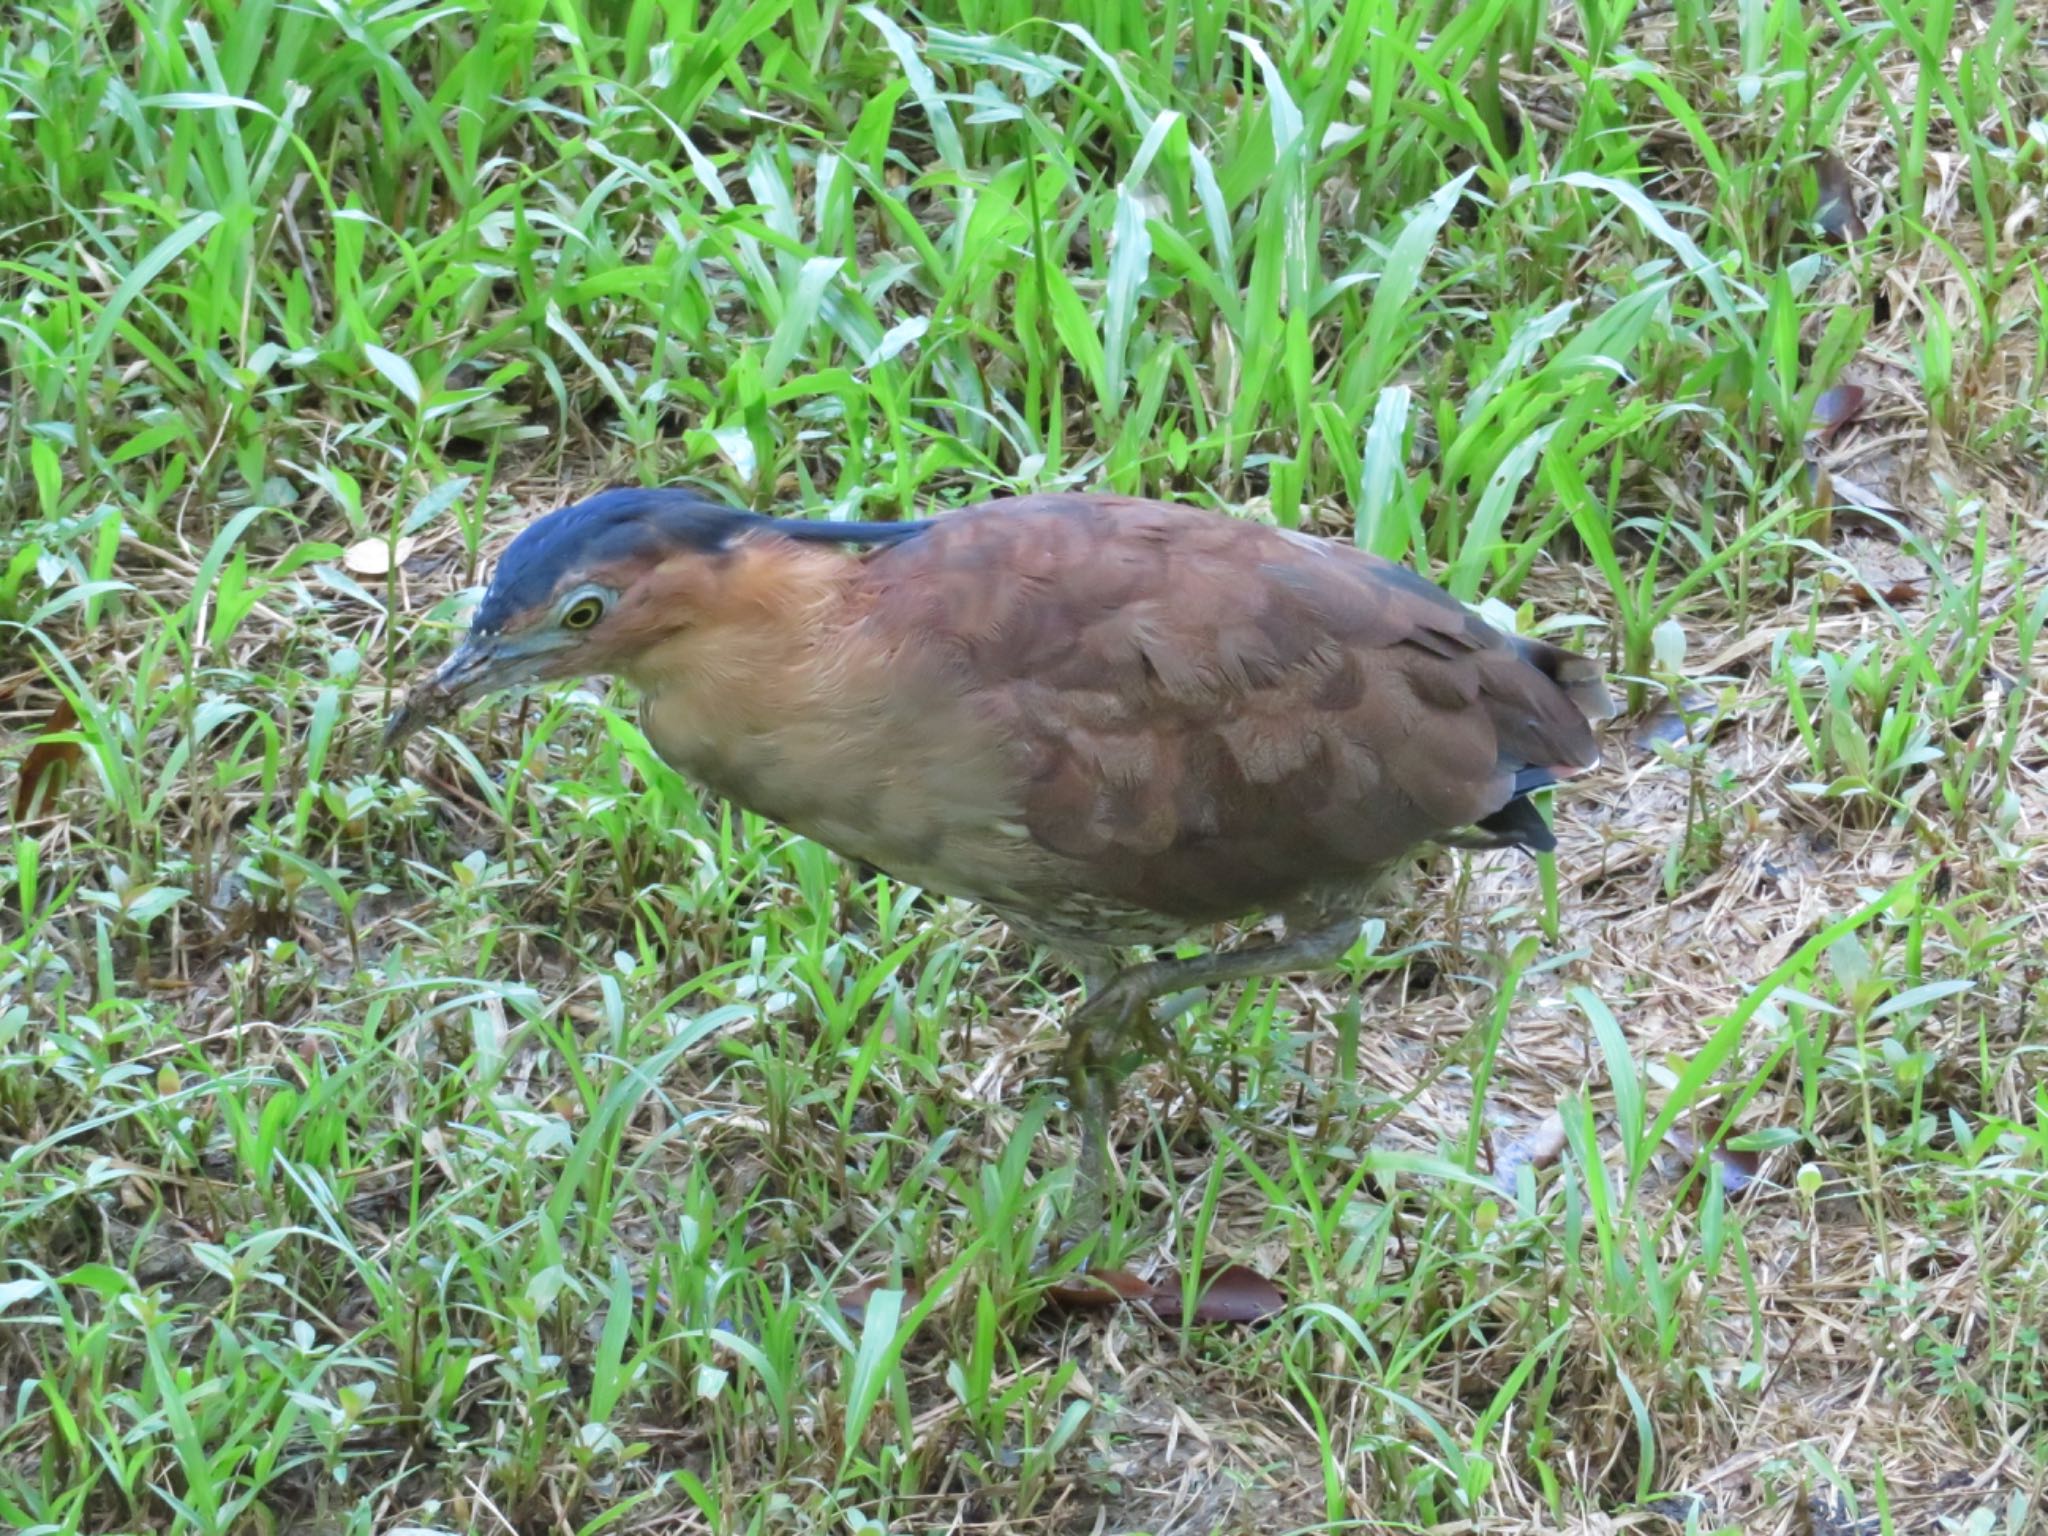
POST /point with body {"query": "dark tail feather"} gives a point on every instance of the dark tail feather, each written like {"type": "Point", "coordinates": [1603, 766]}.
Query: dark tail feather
{"type": "Point", "coordinates": [1543, 731]}
{"type": "Point", "coordinates": [1518, 824]}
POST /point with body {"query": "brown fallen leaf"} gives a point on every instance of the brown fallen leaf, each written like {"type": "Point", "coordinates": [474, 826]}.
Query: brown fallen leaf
{"type": "Point", "coordinates": [1739, 1169]}
{"type": "Point", "coordinates": [1839, 493]}
{"type": "Point", "coordinates": [1741, 649]}
{"type": "Point", "coordinates": [853, 1301]}
{"type": "Point", "coordinates": [1229, 1293]}
{"type": "Point", "coordinates": [1820, 485]}
{"type": "Point", "coordinates": [376, 557]}
{"type": "Point", "coordinates": [1542, 1146]}
{"type": "Point", "coordinates": [1861, 498]}
{"type": "Point", "coordinates": [48, 764]}
{"type": "Point", "coordinates": [1099, 1288]}
{"type": "Point", "coordinates": [1835, 205]}
{"type": "Point", "coordinates": [1835, 409]}
{"type": "Point", "coordinates": [1896, 595]}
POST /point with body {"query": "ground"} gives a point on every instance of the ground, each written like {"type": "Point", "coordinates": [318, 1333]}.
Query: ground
{"type": "Point", "coordinates": [514, 1139]}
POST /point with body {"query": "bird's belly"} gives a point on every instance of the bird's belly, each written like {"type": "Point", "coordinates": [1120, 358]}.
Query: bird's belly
{"type": "Point", "coordinates": [1074, 919]}
{"type": "Point", "coordinates": [939, 806]}
{"type": "Point", "coordinates": [925, 814]}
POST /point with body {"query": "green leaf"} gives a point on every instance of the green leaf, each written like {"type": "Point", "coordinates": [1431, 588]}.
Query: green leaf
{"type": "Point", "coordinates": [1651, 217]}
{"type": "Point", "coordinates": [140, 276]}
{"type": "Point", "coordinates": [1706, 1064]}
{"type": "Point", "coordinates": [1382, 526]}
{"type": "Point", "coordinates": [152, 903]}
{"type": "Point", "coordinates": [12, 1291]}
{"type": "Point", "coordinates": [1481, 541]}
{"type": "Point", "coordinates": [1128, 264]}
{"type": "Point", "coordinates": [1076, 329]}
{"type": "Point", "coordinates": [397, 372]}
{"type": "Point", "coordinates": [799, 315]}
{"type": "Point", "coordinates": [1401, 275]}
{"type": "Point", "coordinates": [923, 85]}
{"type": "Point", "coordinates": [879, 1354]}
{"type": "Point", "coordinates": [1622, 1076]}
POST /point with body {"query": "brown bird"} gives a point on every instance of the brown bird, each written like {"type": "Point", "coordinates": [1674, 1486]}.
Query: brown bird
{"type": "Point", "coordinates": [1113, 722]}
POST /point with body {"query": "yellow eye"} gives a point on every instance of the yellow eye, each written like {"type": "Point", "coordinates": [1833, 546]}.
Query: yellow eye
{"type": "Point", "coordinates": [582, 613]}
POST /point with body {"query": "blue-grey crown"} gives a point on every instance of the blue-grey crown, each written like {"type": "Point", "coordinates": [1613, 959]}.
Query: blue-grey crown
{"type": "Point", "coordinates": [633, 525]}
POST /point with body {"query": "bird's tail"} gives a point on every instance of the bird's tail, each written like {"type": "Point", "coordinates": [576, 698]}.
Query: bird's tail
{"type": "Point", "coordinates": [1542, 743]}
{"type": "Point", "coordinates": [1582, 679]}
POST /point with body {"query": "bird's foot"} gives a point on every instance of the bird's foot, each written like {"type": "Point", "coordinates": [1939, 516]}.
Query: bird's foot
{"type": "Point", "coordinates": [1114, 1003]}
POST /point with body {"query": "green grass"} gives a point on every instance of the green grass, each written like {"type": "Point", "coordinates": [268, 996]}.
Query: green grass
{"type": "Point", "coordinates": [484, 1150]}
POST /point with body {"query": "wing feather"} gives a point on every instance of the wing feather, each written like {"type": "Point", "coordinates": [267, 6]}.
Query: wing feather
{"type": "Point", "coordinates": [1210, 715]}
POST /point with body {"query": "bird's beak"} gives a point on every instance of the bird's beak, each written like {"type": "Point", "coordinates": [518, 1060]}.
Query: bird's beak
{"type": "Point", "coordinates": [482, 663]}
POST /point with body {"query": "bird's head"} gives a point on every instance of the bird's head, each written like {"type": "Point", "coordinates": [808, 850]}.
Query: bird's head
{"type": "Point", "coordinates": [588, 588]}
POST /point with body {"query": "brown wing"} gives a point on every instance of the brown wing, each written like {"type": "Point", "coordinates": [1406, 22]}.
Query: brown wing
{"type": "Point", "coordinates": [1211, 715]}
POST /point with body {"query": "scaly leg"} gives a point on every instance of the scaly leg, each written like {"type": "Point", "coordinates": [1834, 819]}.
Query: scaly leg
{"type": "Point", "coordinates": [1096, 1032]}
{"type": "Point", "coordinates": [1091, 1094]}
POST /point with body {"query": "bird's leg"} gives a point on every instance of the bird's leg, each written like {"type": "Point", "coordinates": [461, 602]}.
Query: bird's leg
{"type": "Point", "coordinates": [1132, 990]}
{"type": "Point", "coordinates": [1112, 1005]}
{"type": "Point", "coordinates": [1091, 1091]}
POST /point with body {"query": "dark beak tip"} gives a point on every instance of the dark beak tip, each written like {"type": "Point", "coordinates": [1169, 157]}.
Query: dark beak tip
{"type": "Point", "coordinates": [436, 696]}
{"type": "Point", "coordinates": [413, 714]}
{"type": "Point", "coordinates": [403, 723]}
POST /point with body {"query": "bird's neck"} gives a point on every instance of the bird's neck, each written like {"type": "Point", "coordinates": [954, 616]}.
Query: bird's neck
{"type": "Point", "coordinates": [744, 692]}
{"type": "Point", "coordinates": [807, 699]}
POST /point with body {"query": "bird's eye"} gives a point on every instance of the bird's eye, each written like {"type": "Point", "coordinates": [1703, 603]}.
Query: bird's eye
{"type": "Point", "coordinates": [582, 613]}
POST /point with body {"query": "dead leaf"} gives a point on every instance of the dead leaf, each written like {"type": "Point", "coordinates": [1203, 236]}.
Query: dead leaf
{"type": "Point", "coordinates": [375, 557]}
{"type": "Point", "coordinates": [1835, 409]}
{"type": "Point", "coordinates": [1739, 1169]}
{"type": "Point", "coordinates": [1841, 494]}
{"type": "Point", "coordinates": [1896, 595]}
{"type": "Point", "coordinates": [1541, 1147]}
{"type": "Point", "coordinates": [853, 1301]}
{"type": "Point", "coordinates": [1741, 649]}
{"type": "Point", "coordinates": [1098, 1288]}
{"type": "Point", "coordinates": [1835, 206]}
{"type": "Point", "coordinates": [1820, 485]}
{"type": "Point", "coordinates": [1230, 1293]}
{"type": "Point", "coordinates": [1861, 497]}
{"type": "Point", "coordinates": [48, 765]}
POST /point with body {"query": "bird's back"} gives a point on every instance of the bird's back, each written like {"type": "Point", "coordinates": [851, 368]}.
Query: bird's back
{"type": "Point", "coordinates": [1207, 717]}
